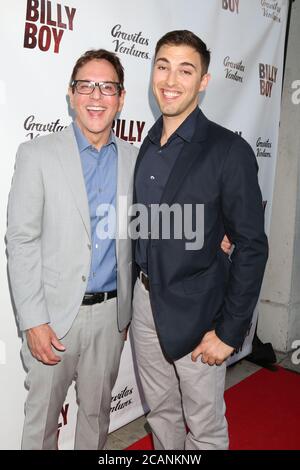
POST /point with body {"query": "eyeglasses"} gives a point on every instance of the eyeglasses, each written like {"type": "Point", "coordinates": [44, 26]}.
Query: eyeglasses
{"type": "Point", "coordinates": [86, 87]}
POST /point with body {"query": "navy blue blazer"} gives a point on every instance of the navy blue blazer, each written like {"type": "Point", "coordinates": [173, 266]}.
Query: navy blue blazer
{"type": "Point", "coordinates": [192, 292]}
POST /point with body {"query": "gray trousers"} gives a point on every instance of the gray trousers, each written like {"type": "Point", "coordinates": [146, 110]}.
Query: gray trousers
{"type": "Point", "coordinates": [179, 393]}
{"type": "Point", "coordinates": [92, 357]}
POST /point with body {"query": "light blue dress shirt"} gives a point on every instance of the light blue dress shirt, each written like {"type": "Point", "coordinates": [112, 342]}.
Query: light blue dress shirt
{"type": "Point", "coordinates": [100, 176]}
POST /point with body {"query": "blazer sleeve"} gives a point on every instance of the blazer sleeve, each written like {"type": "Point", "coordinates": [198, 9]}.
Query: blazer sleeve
{"type": "Point", "coordinates": [243, 218]}
{"type": "Point", "coordinates": [23, 236]}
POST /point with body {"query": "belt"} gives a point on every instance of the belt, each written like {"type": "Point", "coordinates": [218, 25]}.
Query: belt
{"type": "Point", "coordinates": [144, 278]}
{"type": "Point", "coordinates": [97, 297]}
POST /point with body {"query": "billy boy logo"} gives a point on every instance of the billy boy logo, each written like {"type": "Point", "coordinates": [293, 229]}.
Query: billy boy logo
{"type": "Point", "coordinates": [131, 131]}
{"type": "Point", "coordinates": [231, 5]}
{"type": "Point", "coordinates": [268, 76]}
{"type": "Point", "coordinates": [64, 421]}
{"type": "Point", "coordinates": [46, 23]}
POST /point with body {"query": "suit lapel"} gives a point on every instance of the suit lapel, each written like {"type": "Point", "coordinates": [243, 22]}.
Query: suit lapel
{"type": "Point", "coordinates": [71, 164]}
{"type": "Point", "coordinates": [190, 153]}
{"type": "Point", "coordinates": [141, 154]}
{"type": "Point", "coordinates": [183, 164]}
{"type": "Point", "coordinates": [123, 198]}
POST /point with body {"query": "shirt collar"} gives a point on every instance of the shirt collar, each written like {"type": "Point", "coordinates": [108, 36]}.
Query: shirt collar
{"type": "Point", "coordinates": [84, 144]}
{"type": "Point", "coordinates": [185, 131]}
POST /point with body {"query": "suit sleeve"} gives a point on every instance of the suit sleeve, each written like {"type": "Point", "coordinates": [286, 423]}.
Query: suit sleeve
{"type": "Point", "coordinates": [243, 218]}
{"type": "Point", "coordinates": [23, 236]}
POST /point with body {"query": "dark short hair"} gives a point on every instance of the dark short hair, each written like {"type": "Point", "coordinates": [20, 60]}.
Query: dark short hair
{"type": "Point", "coordinates": [99, 54]}
{"type": "Point", "coordinates": [187, 38]}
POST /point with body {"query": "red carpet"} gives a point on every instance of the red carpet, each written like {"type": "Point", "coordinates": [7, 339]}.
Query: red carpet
{"type": "Point", "coordinates": [263, 413]}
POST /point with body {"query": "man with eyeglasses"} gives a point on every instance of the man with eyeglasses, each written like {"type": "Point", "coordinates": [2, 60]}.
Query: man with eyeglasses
{"type": "Point", "coordinates": [72, 284]}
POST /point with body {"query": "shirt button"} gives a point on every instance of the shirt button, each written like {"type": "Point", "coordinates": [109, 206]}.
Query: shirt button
{"type": "Point", "coordinates": [96, 245]}
{"type": "Point", "coordinates": [159, 151]}
{"type": "Point", "coordinates": [83, 278]}
{"type": "Point", "coordinates": [152, 177]}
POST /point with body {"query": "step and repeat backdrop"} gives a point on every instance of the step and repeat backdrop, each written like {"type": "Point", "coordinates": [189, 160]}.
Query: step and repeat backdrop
{"type": "Point", "coordinates": [41, 40]}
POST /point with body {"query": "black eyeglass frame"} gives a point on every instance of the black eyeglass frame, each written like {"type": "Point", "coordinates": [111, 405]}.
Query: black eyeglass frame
{"type": "Point", "coordinates": [98, 84]}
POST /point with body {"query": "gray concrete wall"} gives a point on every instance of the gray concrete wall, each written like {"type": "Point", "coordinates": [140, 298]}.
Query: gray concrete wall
{"type": "Point", "coordinates": [279, 317]}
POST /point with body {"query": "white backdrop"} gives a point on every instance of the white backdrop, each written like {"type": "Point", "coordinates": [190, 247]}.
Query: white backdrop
{"type": "Point", "coordinates": [40, 41]}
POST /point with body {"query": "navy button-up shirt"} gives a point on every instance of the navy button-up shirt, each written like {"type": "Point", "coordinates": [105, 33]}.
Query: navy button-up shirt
{"type": "Point", "coordinates": [154, 171]}
{"type": "Point", "coordinates": [100, 176]}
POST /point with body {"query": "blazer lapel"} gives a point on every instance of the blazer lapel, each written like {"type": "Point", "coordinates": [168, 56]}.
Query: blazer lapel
{"type": "Point", "coordinates": [140, 156]}
{"type": "Point", "coordinates": [184, 162]}
{"type": "Point", "coordinates": [71, 164]}
{"type": "Point", "coordinates": [191, 151]}
{"type": "Point", "coordinates": [124, 193]}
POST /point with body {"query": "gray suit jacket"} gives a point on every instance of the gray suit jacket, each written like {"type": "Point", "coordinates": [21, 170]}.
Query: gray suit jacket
{"type": "Point", "coordinates": [48, 234]}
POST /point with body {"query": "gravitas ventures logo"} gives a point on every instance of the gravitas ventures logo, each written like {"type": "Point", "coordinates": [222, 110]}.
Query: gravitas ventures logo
{"type": "Point", "coordinates": [35, 129]}
{"type": "Point", "coordinates": [234, 70]}
{"type": "Point", "coordinates": [46, 23]}
{"type": "Point", "coordinates": [271, 9]}
{"type": "Point", "coordinates": [130, 43]}
{"type": "Point", "coordinates": [263, 148]}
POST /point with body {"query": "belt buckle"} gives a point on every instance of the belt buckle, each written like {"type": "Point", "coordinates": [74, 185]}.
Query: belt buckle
{"type": "Point", "coordinates": [88, 296]}
{"type": "Point", "coordinates": [95, 297]}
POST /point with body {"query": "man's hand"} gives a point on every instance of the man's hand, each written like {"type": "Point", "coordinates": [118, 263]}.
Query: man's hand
{"type": "Point", "coordinates": [226, 245]}
{"type": "Point", "coordinates": [40, 340]}
{"type": "Point", "coordinates": [212, 350]}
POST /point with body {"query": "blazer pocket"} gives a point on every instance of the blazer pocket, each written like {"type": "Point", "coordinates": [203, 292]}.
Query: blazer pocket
{"type": "Point", "coordinates": [202, 282]}
{"type": "Point", "coordinates": [50, 276]}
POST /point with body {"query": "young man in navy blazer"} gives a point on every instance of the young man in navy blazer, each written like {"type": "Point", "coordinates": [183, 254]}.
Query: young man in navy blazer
{"type": "Point", "coordinates": [193, 307]}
